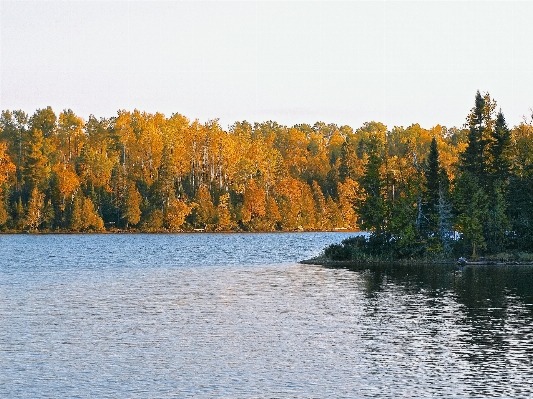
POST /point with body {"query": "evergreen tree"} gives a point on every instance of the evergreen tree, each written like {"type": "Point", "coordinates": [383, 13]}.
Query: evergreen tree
{"type": "Point", "coordinates": [436, 218]}
{"type": "Point", "coordinates": [475, 159]}
{"type": "Point", "coordinates": [432, 192]}
{"type": "Point", "coordinates": [497, 223]}
{"type": "Point", "coordinates": [48, 215]}
{"type": "Point", "coordinates": [484, 169]}
{"type": "Point", "coordinates": [499, 150]}
{"type": "Point", "coordinates": [371, 209]}
{"type": "Point", "coordinates": [471, 207]}
{"type": "Point", "coordinates": [521, 213]}
{"type": "Point", "coordinates": [19, 216]}
{"type": "Point", "coordinates": [446, 232]}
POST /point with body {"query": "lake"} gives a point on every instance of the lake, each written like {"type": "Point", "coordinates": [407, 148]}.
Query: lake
{"type": "Point", "coordinates": [235, 316]}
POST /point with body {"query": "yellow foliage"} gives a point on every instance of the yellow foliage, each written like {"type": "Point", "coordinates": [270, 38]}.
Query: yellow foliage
{"type": "Point", "coordinates": [349, 194]}
{"type": "Point", "coordinates": [225, 221]}
{"type": "Point", "coordinates": [67, 180]}
{"type": "Point", "coordinates": [7, 167]}
{"type": "Point", "coordinates": [175, 214]}
{"type": "Point", "coordinates": [254, 205]}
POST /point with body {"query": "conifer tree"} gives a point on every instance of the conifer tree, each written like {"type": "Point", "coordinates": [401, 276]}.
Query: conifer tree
{"type": "Point", "coordinates": [499, 150]}
{"type": "Point", "coordinates": [471, 206]}
{"type": "Point", "coordinates": [19, 216]}
{"type": "Point", "coordinates": [371, 209]}
{"type": "Point", "coordinates": [497, 223]}
{"type": "Point", "coordinates": [430, 216]}
{"type": "Point", "coordinates": [476, 158]}
{"type": "Point", "coordinates": [446, 231]}
{"type": "Point", "coordinates": [474, 186]}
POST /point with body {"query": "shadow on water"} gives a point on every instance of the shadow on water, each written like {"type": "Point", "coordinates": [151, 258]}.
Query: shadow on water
{"type": "Point", "coordinates": [475, 287]}
{"type": "Point", "coordinates": [494, 316]}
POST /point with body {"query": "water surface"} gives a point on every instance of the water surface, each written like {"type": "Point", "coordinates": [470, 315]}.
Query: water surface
{"type": "Point", "coordinates": [234, 315]}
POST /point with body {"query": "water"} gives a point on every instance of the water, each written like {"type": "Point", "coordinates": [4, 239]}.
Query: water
{"type": "Point", "coordinates": [233, 315]}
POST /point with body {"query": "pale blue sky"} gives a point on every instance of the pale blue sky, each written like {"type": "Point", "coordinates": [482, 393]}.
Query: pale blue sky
{"type": "Point", "coordinates": [292, 62]}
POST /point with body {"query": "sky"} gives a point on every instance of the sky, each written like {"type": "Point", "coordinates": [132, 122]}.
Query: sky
{"type": "Point", "coordinates": [346, 63]}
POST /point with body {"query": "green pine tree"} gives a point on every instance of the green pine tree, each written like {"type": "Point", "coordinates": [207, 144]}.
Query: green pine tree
{"type": "Point", "coordinates": [429, 226]}
{"type": "Point", "coordinates": [471, 207]}
{"type": "Point", "coordinates": [372, 211]}
{"type": "Point", "coordinates": [476, 158]}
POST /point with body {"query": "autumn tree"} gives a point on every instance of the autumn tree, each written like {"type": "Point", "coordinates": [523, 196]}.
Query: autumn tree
{"type": "Point", "coordinates": [175, 214]}
{"type": "Point", "coordinates": [13, 131]}
{"type": "Point", "coordinates": [7, 172]}
{"type": "Point", "coordinates": [350, 196]}
{"type": "Point", "coordinates": [84, 216]}
{"type": "Point", "coordinates": [70, 134]}
{"type": "Point", "coordinates": [225, 221]}
{"type": "Point", "coordinates": [203, 215]}
{"type": "Point", "coordinates": [7, 168]}
{"type": "Point", "coordinates": [154, 173]}
{"type": "Point", "coordinates": [44, 120]}
{"type": "Point", "coordinates": [131, 211]}
{"type": "Point", "coordinates": [254, 205]}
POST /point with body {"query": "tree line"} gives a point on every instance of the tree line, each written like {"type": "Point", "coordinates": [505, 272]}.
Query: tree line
{"type": "Point", "coordinates": [147, 172]}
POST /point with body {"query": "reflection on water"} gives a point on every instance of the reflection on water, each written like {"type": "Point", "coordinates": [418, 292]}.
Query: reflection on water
{"type": "Point", "coordinates": [481, 315]}
{"type": "Point", "coordinates": [208, 316]}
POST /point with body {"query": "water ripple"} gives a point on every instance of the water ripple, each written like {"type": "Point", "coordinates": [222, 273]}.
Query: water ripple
{"type": "Point", "coordinates": [106, 321]}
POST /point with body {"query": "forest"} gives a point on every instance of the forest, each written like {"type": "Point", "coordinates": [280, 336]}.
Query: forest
{"type": "Point", "coordinates": [430, 191]}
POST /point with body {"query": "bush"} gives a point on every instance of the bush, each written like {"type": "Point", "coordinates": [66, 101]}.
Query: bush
{"type": "Point", "coordinates": [338, 252]}
{"type": "Point", "coordinates": [349, 249]}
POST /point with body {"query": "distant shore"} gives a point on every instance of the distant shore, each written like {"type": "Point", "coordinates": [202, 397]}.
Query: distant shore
{"type": "Point", "coordinates": [195, 231]}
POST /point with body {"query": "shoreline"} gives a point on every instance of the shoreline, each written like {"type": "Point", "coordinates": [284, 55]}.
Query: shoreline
{"type": "Point", "coordinates": [196, 231]}
{"type": "Point", "coordinates": [321, 261]}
